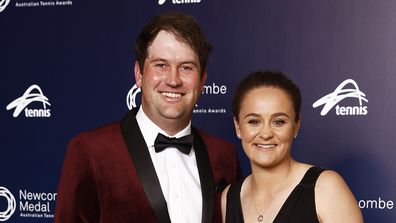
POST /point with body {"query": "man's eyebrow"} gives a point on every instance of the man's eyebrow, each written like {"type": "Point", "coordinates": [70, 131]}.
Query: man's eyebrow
{"type": "Point", "coordinates": [190, 62]}
{"type": "Point", "coordinates": [156, 59]}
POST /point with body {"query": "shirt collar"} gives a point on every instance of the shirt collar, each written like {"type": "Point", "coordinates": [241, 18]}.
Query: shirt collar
{"type": "Point", "coordinates": [150, 130]}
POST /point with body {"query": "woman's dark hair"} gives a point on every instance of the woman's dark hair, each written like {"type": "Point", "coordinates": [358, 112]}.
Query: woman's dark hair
{"type": "Point", "coordinates": [266, 79]}
{"type": "Point", "coordinates": [184, 27]}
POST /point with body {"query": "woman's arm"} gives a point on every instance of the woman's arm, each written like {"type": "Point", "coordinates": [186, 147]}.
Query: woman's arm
{"type": "Point", "coordinates": [334, 200]}
{"type": "Point", "coordinates": [224, 203]}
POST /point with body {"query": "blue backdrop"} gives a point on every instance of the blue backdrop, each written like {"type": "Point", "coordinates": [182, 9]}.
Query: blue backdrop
{"type": "Point", "coordinates": [67, 66]}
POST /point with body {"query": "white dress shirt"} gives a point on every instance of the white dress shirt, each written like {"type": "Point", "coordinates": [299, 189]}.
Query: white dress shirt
{"type": "Point", "coordinates": [177, 173]}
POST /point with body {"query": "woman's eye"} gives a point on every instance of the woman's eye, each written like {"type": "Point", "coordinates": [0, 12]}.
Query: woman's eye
{"type": "Point", "coordinates": [254, 122]}
{"type": "Point", "coordinates": [279, 122]}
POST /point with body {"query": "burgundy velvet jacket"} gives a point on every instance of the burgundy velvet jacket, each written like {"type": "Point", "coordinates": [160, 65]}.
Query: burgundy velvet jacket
{"type": "Point", "coordinates": [108, 176]}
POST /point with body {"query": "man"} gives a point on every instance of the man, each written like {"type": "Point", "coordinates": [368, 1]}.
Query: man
{"type": "Point", "coordinates": [130, 171]}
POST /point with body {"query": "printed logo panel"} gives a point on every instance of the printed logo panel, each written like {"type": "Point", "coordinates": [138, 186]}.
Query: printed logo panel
{"type": "Point", "coordinates": [35, 4]}
{"type": "Point", "coordinates": [161, 2]}
{"type": "Point", "coordinates": [11, 204]}
{"type": "Point", "coordinates": [340, 93]}
{"type": "Point", "coordinates": [131, 97]}
{"type": "Point", "coordinates": [29, 204]}
{"type": "Point", "coordinates": [208, 90]}
{"type": "Point", "coordinates": [3, 4]}
{"type": "Point", "coordinates": [21, 104]}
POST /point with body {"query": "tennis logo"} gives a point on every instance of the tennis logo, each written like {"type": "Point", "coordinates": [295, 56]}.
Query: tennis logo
{"type": "Point", "coordinates": [11, 204]}
{"type": "Point", "coordinates": [161, 2]}
{"type": "Point", "coordinates": [340, 93]}
{"type": "Point", "coordinates": [3, 4]}
{"type": "Point", "coordinates": [27, 98]}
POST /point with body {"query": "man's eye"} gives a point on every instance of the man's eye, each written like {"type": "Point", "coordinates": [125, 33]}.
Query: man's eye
{"type": "Point", "coordinates": [160, 65]}
{"type": "Point", "coordinates": [186, 68]}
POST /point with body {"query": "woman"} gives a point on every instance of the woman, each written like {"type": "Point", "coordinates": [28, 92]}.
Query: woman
{"type": "Point", "coordinates": [266, 110]}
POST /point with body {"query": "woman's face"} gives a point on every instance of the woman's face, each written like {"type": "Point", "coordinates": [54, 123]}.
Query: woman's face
{"type": "Point", "coordinates": [267, 125]}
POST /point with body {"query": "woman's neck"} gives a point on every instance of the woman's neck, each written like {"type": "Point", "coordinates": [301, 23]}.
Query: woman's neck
{"type": "Point", "coordinates": [270, 180]}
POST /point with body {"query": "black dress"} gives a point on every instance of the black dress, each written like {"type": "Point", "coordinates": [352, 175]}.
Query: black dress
{"type": "Point", "coordinates": [298, 207]}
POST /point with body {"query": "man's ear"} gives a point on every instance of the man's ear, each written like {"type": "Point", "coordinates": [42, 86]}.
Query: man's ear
{"type": "Point", "coordinates": [138, 74]}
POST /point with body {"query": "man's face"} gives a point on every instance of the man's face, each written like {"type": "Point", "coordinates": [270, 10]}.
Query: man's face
{"type": "Point", "coordinates": [170, 81]}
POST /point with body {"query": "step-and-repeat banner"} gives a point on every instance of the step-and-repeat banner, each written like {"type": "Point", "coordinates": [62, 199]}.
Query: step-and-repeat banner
{"type": "Point", "coordinates": [66, 66]}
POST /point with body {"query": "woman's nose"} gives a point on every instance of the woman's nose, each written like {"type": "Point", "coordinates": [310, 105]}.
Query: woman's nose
{"type": "Point", "coordinates": [266, 132]}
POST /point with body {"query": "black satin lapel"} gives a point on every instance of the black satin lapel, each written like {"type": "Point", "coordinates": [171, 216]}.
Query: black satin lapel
{"type": "Point", "coordinates": [144, 167]}
{"type": "Point", "coordinates": [205, 176]}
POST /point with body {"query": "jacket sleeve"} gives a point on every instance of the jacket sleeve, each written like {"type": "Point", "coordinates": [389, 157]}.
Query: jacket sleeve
{"type": "Point", "coordinates": [77, 196]}
{"type": "Point", "coordinates": [237, 167]}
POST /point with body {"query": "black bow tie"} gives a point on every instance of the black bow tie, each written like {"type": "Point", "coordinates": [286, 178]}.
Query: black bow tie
{"type": "Point", "coordinates": [183, 143]}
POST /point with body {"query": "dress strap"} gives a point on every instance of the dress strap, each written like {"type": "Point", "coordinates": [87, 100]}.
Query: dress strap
{"type": "Point", "coordinates": [300, 205]}
{"type": "Point", "coordinates": [233, 207]}
{"type": "Point", "coordinates": [311, 176]}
